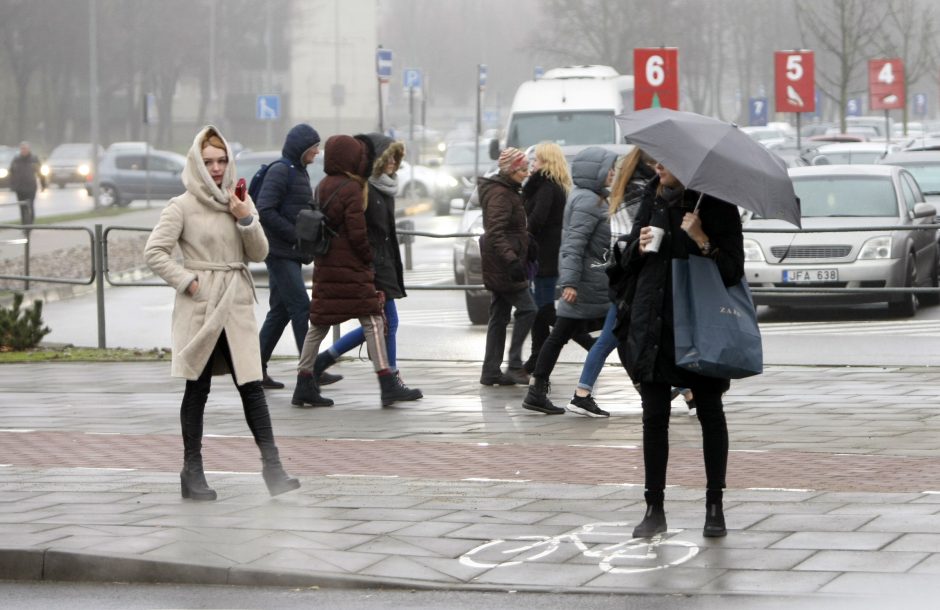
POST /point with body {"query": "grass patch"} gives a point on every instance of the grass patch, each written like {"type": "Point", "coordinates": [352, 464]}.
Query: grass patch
{"type": "Point", "coordinates": [70, 353]}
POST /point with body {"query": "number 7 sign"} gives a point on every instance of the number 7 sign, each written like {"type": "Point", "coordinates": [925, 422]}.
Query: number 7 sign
{"type": "Point", "coordinates": [794, 80]}
{"type": "Point", "coordinates": [885, 84]}
{"type": "Point", "coordinates": [656, 78]}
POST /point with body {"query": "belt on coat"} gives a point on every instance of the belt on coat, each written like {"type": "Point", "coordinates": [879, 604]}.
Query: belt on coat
{"type": "Point", "coordinates": [225, 267]}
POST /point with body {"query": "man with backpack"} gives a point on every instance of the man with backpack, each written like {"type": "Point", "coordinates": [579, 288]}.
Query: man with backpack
{"type": "Point", "coordinates": [282, 191]}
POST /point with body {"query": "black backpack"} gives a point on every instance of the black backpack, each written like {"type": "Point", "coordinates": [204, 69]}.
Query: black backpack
{"type": "Point", "coordinates": [254, 187]}
{"type": "Point", "coordinates": [313, 232]}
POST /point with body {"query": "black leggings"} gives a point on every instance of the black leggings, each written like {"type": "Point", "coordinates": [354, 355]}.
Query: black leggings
{"type": "Point", "coordinates": [562, 332]}
{"type": "Point", "coordinates": [711, 416]}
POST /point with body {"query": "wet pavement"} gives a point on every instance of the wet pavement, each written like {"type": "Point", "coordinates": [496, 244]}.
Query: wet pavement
{"type": "Point", "coordinates": [834, 485]}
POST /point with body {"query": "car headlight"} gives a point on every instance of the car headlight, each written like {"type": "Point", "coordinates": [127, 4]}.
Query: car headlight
{"type": "Point", "coordinates": [752, 251]}
{"type": "Point", "coordinates": [876, 248]}
{"type": "Point", "coordinates": [446, 181]}
{"type": "Point", "coordinates": [83, 169]}
{"type": "Point", "coordinates": [4, 172]}
{"type": "Point", "coordinates": [44, 170]}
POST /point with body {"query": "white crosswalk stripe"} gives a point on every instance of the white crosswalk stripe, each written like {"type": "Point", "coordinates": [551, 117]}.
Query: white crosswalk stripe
{"type": "Point", "coordinates": [919, 328]}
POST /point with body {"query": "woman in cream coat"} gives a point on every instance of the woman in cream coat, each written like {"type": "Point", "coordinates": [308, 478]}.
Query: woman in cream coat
{"type": "Point", "coordinates": [214, 330]}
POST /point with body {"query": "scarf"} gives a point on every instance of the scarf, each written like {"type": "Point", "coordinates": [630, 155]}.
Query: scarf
{"type": "Point", "coordinates": [386, 184]}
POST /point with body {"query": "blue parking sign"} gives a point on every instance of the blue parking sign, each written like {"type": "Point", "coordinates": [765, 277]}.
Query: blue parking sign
{"type": "Point", "coordinates": [920, 105]}
{"type": "Point", "coordinates": [268, 107]}
{"type": "Point", "coordinates": [853, 106]}
{"type": "Point", "coordinates": [411, 78]}
{"type": "Point", "coordinates": [758, 111]}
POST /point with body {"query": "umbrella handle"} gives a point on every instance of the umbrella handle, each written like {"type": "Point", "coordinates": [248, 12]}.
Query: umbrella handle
{"type": "Point", "coordinates": [699, 202]}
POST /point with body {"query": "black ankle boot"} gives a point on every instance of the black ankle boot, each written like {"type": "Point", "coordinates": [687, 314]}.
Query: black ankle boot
{"type": "Point", "coordinates": [714, 516]}
{"type": "Point", "coordinates": [324, 361]}
{"type": "Point", "coordinates": [392, 392]}
{"type": "Point", "coordinates": [193, 485]}
{"type": "Point", "coordinates": [307, 392]}
{"type": "Point", "coordinates": [536, 398]}
{"type": "Point", "coordinates": [654, 521]}
{"type": "Point", "coordinates": [277, 480]}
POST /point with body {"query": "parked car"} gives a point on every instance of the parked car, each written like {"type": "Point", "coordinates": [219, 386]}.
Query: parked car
{"type": "Point", "coordinates": [6, 157]}
{"type": "Point", "coordinates": [69, 163]}
{"type": "Point", "coordinates": [458, 167]}
{"type": "Point", "coordinates": [468, 266]}
{"type": "Point", "coordinates": [249, 162]}
{"type": "Point", "coordinates": [925, 167]}
{"type": "Point", "coordinates": [128, 173]}
{"type": "Point", "coordinates": [848, 196]}
{"type": "Point", "coordinates": [851, 153]}
{"type": "Point", "coordinates": [767, 136]}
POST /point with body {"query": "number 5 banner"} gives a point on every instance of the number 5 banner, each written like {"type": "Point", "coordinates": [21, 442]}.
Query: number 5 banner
{"type": "Point", "coordinates": [885, 84]}
{"type": "Point", "coordinates": [656, 78]}
{"type": "Point", "coordinates": [795, 81]}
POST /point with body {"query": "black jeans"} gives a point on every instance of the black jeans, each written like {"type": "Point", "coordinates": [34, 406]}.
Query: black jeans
{"type": "Point", "coordinates": [562, 332]}
{"type": "Point", "coordinates": [253, 403]}
{"type": "Point", "coordinates": [711, 416]}
{"type": "Point", "coordinates": [501, 304]}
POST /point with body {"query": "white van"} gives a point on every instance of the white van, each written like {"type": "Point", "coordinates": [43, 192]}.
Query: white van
{"type": "Point", "coordinates": [571, 105]}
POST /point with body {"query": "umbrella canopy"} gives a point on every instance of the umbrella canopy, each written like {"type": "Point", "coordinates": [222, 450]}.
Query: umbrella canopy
{"type": "Point", "coordinates": [716, 158]}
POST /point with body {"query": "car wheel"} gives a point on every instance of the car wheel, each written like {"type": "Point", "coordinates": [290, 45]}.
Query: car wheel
{"type": "Point", "coordinates": [61, 185]}
{"type": "Point", "coordinates": [932, 298]}
{"type": "Point", "coordinates": [907, 306]}
{"type": "Point", "coordinates": [108, 195]}
{"type": "Point", "coordinates": [441, 208]}
{"type": "Point", "coordinates": [478, 308]}
{"type": "Point", "coordinates": [415, 189]}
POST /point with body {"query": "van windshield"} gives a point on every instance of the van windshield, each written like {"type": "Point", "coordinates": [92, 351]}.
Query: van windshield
{"type": "Point", "coordinates": [563, 128]}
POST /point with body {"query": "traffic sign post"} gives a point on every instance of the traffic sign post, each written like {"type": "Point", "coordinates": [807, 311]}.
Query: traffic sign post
{"type": "Point", "coordinates": [482, 73]}
{"type": "Point", "coordinates": [656, 78]}
{"type": "Point", "coordinates": [268, 107]}
{"type": "Point", "coordinates": [920, 105]}
{"type": "Point", "coordinates": [886, 88]}
{"type": "Point", "coordinates": [383, 73]}
{"type": "Point", "coordinates": [757, 111]}
{"type": "Point", "coordinates": [795, 84]}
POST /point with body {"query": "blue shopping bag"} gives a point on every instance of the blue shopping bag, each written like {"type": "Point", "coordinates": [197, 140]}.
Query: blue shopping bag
{"type": "Point", "coordinates": [715, 326]}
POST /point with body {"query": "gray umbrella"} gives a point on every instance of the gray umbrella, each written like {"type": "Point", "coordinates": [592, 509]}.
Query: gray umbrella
{"type": "Point", "coordinates": [716, 158]}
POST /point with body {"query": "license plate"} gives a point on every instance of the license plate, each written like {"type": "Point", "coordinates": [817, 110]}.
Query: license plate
{"type": "Point", "coordinates": [811, 275]}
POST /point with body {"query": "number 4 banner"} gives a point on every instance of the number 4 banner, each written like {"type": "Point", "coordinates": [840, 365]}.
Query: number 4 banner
{"type": "Point", "coordinates": [885, 84]}
{"type": "Point", "coordinates": [656, 78]}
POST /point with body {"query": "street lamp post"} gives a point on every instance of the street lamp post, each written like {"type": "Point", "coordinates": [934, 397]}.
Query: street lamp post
{"type": "Point", "coordinates": [93, 94]}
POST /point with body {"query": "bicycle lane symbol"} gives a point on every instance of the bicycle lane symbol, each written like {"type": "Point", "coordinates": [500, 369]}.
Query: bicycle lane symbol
{"type": "Point", "coordinates": [611, 543]}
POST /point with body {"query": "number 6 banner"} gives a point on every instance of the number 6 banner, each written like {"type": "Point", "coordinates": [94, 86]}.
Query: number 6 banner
{"type": "Point", "coordinates": [794, 80]}
{"type": "Point", "coordinates": [656, 78]}
{"type": "Point", "coordinates": [885, 84]}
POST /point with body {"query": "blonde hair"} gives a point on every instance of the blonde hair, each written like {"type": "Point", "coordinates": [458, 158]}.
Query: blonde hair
{"type": "Point", "coordinates": [212, 138]}
{"type": "Point", "coordinates": [554, 165]}
{"type": "Point", "coordinates": [626, 165]}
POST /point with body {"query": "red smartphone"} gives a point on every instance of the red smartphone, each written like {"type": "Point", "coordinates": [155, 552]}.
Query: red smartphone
{"type": "Point", "coordinates": [241, 188]}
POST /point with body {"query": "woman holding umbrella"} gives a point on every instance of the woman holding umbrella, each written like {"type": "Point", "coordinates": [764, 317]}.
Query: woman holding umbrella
{"type": "Point", "coordinates": [694, 225]}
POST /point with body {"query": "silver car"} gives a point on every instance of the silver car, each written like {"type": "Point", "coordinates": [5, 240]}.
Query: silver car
{"type": "Point", "coordinates": [839, 197]}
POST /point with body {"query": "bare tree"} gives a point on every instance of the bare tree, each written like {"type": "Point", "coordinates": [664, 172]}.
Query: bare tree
{"type": "Point", "coordinates": [910, 32]}
{"type": "Point", "coordinates": [20, 27]}
{"type": "Point", "coordinates": [843, 32]}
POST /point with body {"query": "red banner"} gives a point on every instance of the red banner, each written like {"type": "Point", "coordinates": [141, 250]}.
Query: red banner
{"type": "Point", "coordinates": [656, 78]}
{"type": "Point", "coordinates": [885, 84]}
{"type": "Point", "coordinates": [795, 81]}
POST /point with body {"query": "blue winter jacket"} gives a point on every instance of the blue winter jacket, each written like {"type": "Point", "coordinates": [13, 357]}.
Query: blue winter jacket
{"type": "Point", "coordinates": [285, 192]}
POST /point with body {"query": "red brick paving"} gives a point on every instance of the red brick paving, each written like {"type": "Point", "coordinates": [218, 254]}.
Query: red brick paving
{"type": "Point", "coordinates": [455, 461]}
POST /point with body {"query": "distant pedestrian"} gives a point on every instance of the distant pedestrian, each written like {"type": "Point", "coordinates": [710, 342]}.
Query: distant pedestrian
{"type": "Point", "coordinates": [383, 238]}
{"type": "Point", "coordinates": [545, 193]}
{"type": "Point", "coordinates": [214, 330]}
{"type": "Point", "coordinates": [25, 172]}
{"type": "Point", "coordinates": [504, 248]}
{"type": "Point", "coordinates": [284, 193]}
{"type": "Point", "coordinates": [585, 242]}
{"type": "Point", "coordinates": [344, 278]}
{"type": "Point", "coordinates": [713, 230]}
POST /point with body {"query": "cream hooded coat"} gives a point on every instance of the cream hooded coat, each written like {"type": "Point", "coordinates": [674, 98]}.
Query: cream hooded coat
{"type": "Point", "coordinates": [215, 249]}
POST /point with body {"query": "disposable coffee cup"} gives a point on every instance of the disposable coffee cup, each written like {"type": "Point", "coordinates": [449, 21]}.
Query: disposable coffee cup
{"type": "Point", "coordinates": [657, 239]}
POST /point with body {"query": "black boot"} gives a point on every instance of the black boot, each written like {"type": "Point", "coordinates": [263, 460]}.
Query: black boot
{"type": "Point", "coordinates": [193, 483]}
{"type": "Point", "coordinates": [654, 521]}
{"type": "Point", "coordinates": [270, 384]}
{"type": "Point", "coordinates": [324, 361]}
{"type": "Point", "coordinates": [277, 480]}
{"type": "Point", "coordinates": [307, 393]}
{"type": "Point", "coordinates": [401, 384]}
{"type": "Point", "coordinates": [392, 392]}
{"type": "Point", "coordinates": [714, 515]}
{"type": "Point", "coordinates": [259, 422]}
{"type": "Point", "coordinates": [536, 399]}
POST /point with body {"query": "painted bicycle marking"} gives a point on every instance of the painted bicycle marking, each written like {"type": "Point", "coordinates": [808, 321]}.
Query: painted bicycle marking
{"type": "Point", "coordinates": [611, 543]}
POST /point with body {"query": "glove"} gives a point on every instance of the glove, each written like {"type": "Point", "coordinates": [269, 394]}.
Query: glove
{"type": "Point", "coordinates": [516, 272]}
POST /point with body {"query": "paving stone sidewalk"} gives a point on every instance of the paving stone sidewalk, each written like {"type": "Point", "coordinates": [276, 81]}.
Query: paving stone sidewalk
{"type": "Point", "coordinates": [834, 485]}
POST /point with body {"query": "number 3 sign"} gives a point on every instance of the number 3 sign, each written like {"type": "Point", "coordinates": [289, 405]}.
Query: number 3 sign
{"type": "Point", "coordinates": [794, 80]}
{"type": "Point", "coordinates": [656, 78]}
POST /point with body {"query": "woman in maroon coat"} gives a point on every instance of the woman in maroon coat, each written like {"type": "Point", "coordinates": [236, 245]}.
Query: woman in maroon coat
{"type": "Point", "coordinates": [343, 280]}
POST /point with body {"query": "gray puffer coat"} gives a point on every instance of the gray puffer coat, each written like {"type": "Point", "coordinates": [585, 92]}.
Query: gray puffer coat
{"type": "Point", "coordinates": [585, 236]}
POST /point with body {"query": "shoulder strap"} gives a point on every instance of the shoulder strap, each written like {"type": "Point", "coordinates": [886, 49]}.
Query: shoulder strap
{"type": "Point", "coordinates": [333, 194]}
